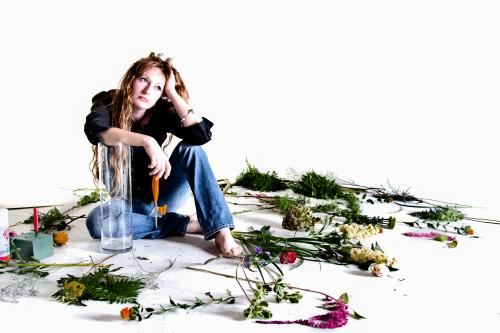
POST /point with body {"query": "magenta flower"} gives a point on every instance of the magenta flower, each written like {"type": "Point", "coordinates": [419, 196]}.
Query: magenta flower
{"type": "Point", "coordinates": [431, 235]}
{"type": "Point", "coordinates": [335, 318]}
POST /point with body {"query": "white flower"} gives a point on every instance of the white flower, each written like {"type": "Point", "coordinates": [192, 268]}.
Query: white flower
{"type": "Point", "coordinates": [378, 269]}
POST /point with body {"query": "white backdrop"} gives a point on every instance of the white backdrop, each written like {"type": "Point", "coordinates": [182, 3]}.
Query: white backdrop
{"type": "Point", "coordinates": [368, 90]}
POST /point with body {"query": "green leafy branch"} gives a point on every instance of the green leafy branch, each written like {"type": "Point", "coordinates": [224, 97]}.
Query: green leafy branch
{"type": "Point", "coordinates": [53, 219]}
{"type": "Point", "coordinates": [441, 217]}
{"type": "Point", "coordinates": [138, 312]}
{"type": "Point", "coordinates": [100, 285]}
{"type": "Point", "coordinates": [88, 199]}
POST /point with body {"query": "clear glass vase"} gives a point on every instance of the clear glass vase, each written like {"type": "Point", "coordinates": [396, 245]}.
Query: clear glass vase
{"type": "Point", "coordinates": [115, 197]}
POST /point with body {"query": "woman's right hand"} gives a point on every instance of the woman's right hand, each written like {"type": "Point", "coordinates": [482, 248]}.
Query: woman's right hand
{"type": "Point", "coordinates": [160, 166]}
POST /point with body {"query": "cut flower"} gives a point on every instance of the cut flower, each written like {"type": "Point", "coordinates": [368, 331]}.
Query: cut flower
{"type": "Point", "coordinates": [125, 313]}
{"type": "Point", "coordinates": [60, 238]}
{"type": "Point", "coordinates": [365, 255]}
{"type": "Point", "coordinates": [288, 257]}
{"type": "Point", "coordinates": [378, 270]}
{"type": "Point", "coordinates": [359, 231]}
{"type": "Point", "coordinates": [336, 317]}
{"type": "Point", "coordinates": [469, 231]}
{"type": "Point", "coordinates": [132, 313]}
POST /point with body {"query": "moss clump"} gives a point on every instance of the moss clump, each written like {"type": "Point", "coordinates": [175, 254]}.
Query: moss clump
{"type": "Point", "coordinates": [314, 185]}
{"type": "Point", "coordinates": [253, 179]}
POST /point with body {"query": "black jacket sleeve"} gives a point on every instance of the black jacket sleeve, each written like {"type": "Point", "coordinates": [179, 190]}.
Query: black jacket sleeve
{"type": "Point", "coordinates": [197, 134]}
{"type": "Point", "coordinates": [97, 120]}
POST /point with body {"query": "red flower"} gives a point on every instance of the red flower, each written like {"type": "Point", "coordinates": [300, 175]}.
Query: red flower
{"type": "Point", "coordinates": [469, 231]}
{"type": "Point", "coordinates": [288, 257]}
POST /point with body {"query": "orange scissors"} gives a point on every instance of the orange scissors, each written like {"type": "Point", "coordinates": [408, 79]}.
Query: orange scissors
{"type": "Point", "coordinates": [156, 191]}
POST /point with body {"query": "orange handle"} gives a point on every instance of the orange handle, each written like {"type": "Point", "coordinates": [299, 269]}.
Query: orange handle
{"type": "Point", "coordinates": [156, 188]}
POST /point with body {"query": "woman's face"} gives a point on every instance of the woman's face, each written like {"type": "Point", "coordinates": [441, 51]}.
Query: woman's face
{"type": "Point", "coordinates": [148, 88]}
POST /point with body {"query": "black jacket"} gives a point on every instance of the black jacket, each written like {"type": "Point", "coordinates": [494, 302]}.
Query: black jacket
{"type": "Point", "coordinates": [163, 120]}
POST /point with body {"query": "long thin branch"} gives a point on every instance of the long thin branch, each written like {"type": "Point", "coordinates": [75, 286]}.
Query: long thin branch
{"type": "Point", "coordinates": [254, 281]}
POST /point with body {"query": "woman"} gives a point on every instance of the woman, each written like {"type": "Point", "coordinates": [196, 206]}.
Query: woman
{"type": "Point", "coordinates": [151, 102]}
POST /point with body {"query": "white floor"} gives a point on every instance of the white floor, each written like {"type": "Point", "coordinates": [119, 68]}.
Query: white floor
{"type": "Point", "coordinates": [436, 288]}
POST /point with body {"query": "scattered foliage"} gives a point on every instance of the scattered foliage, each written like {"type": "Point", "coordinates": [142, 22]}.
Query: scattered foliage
{"type": "Point", "coordinates": [255, 180]}
{"type": "Point", "coordinates": [138, 312]}
{"type": "Point", "coordinates": [100, 285]}
{"type": "Point", "coordinates": [440, 213]}
{"type": "Point", "coordinates": [88, 199]}
{"type": "Point", "coordinates": [317, 186]}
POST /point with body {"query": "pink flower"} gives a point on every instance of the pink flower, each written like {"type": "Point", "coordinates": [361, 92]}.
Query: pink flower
{"type": "Point", "coordinates": [431, 235]}
{"type": "Point", "coordinates": [335, 318]}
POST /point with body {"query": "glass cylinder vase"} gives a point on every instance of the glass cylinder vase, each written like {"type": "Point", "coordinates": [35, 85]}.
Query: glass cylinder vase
{"type": "Point", "coordinates": [115, 197]}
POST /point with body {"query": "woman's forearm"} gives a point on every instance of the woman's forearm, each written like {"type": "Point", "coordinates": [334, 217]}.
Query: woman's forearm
{"type": "Point", "coordinates": [182, 107]}
{"type": "Point", "coordinates": [113, 136]}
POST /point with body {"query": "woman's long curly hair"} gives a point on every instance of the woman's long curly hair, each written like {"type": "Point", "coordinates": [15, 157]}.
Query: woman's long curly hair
{"type": "Point", "coordinates": [122, 107]}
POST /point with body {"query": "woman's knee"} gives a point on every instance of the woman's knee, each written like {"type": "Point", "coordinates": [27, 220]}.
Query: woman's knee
{"type": "Point", "coordinates": [187, 150]}
{"type": "Point", "coordinates": [94, 223]}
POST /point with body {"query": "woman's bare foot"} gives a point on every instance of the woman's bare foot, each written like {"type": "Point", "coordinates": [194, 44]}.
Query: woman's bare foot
{"type": "Point", "coordinates": [194, 226]}
{"type": "Point", "coordinates": [226, 244]}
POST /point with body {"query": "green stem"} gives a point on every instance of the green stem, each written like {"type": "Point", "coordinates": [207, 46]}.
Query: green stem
{"type": "Point", "coordinates": [220, 274]}
{"type": "Point", "coordinates": [237, 280]}
{"type": "Point", "coordinates": [251, 210]}
{"type": "Point", "coordinates": [56, 265]}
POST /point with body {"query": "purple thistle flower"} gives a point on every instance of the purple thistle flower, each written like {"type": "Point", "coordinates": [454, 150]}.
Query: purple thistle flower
{"type": "Point", "coordinates": [257, 249]}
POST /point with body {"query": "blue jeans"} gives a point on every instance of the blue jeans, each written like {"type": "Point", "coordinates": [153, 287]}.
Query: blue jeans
{"type": "Point", "coordinates": [191, 171]}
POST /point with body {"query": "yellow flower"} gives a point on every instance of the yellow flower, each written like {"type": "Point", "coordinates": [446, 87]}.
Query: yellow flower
{"type": "Point", "coordinates": [74, 289]}
{"type": "Point", "coordinates": [60, 238]}
{"type": "Point", "coordinates": [162, 210]}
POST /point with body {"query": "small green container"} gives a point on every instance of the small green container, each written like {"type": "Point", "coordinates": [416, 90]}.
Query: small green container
{"type": "Point", "coordinates": [27, 246]}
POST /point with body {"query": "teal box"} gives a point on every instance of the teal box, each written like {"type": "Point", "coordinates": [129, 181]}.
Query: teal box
{"type": "Point", "coordinates": [27, 246]}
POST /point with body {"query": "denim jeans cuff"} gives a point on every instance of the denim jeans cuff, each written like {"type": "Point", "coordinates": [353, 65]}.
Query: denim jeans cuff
{"type": "Point", "coordinates": [211, 233]}
{"type": "Point", "coordinates": [183, 227]}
